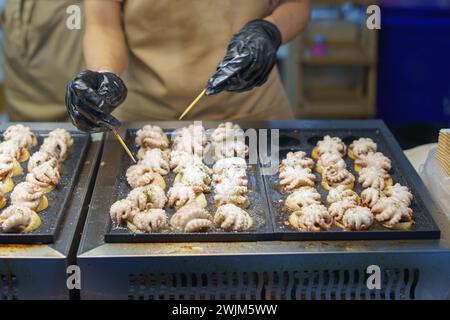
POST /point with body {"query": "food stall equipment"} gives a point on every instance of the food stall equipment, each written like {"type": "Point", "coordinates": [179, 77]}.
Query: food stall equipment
{"type": "Point", "coordinates": [324, 269]}
{"type": "Point", "coordinates": [37, 270]}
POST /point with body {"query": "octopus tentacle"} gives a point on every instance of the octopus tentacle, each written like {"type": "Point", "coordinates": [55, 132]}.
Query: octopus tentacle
{"type": "Point", "coordinates": [230, 217]}
{"type": "Point", "coordinates": [122, 211]}
{"type": "Point", "coordinates": [192, 218]}
{"type": "Point", "coordinates": [148, 197]}
{"type": "Point", "coordinates": [152, 220]}
{"type": "Point", "coordinates": [292, 178]}
{"type": "Point", "coordinates": [19, 219]}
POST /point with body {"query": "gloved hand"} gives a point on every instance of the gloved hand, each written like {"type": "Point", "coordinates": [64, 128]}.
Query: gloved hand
{"type": "Point", "coordinates": [250, 58]}
{"type": "Point", "coordinates": [91, 97]}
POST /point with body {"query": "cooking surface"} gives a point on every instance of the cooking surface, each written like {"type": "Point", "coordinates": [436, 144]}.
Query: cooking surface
{"type": "Point", "coordinates": [260, 230]}
{"type": "Point", "coordinates": [93, 243]}
{"type": "Point", "coordinates": [58, 197]}
{"type": "Point", "coordinates": [305, 140]}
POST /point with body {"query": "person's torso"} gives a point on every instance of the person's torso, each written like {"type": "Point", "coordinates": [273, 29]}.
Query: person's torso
{"type": "Point", "coordinates": [41, 55]}
{"type": "Point", "coordinates": [175, 46]}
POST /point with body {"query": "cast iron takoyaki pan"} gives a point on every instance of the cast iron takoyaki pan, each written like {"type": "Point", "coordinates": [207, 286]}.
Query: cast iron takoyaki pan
{"type": "Point", "coordinates": [57, 199]}
{"type": "Point", "coordinates": [304, 139]}
{"type": "Point", "coordinates": [261, 229]}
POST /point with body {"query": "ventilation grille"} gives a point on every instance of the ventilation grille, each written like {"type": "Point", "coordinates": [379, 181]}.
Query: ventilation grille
{"type": "Point", "coordinates": [295, 285]}
{"type": "Point", "coordinates": [8, 285]}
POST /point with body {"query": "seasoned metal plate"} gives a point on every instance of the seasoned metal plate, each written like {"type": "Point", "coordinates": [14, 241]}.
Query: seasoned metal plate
{"type": "Point", "coordinates": [305, 140]}
{"type": "Point", "coordinates": [261, 229]}
{"type": "Point", "coordinates": [51, 217]}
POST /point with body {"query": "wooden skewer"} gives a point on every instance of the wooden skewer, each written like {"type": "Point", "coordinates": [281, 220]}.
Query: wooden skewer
{"type": "Point", "coordinates": [124, 145]}
{"type": "Point", "coordinates": [192, 105]}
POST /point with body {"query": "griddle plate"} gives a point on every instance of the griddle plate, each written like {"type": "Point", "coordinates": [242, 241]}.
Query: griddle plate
{"type": "Point", "coordinates": [262, 224]}
{"type": "Point", "coordinates": [51, 217]}
{"type": "Point", "coordinates": [267, 201]}
{"type": "Point", "coordinates": [305, 140]}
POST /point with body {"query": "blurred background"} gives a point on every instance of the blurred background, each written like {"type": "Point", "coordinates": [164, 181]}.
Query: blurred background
{"type": "Point", "coordinates": [401, 73]}
{"type": "Point", "coordinates": [340, 69]}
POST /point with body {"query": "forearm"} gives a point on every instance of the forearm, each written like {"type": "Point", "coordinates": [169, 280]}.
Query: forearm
{"type": "Point", "coordinates": [104, 39]}
{"type": "Point", "coordinates": [291, 17]}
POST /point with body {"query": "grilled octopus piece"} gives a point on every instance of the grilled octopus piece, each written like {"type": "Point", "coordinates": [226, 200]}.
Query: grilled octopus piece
{"type": "Point", "coordinates": [13, 149]}
{"type": "Point", "coordinates": [400, 193]}
{"type": "Point", "coordinates": [27, 194]}
{"type": "Point", "coordinates": [296, 160]}
{"type": "Point", "coordinates": [390, 211]}
{"type": "Point", "coordinates": [179, 160]}
{"type": "Point", "coordinates": [19, 219]}
{"type": "Point", "coordinates": [340, 193]}
{"type": "Point", "coordinates": [192, 218]}
{"type": "Point", "coordinates": [331, 145]}
{"type": "Point", "coordinates": [334, 176]}
{"type": "Point", "coordinates": [148, 197]}
{"type": "Point", "coordinates": [373, 177]}
{"type": "Point", "coordinates": [330, 159]}
{"type": "Point", "coordinates": [56, 147]}
{"type": "Point", "coordinates": [62, 134]}
{"type": "Point", "coordinates": [196, 178]}
{"type": "Point", "coordinates": [292, 178]}
{"type": "Point", "coordinates": [362, 147]}
{"type": "Point", "coordinates": [338, 209]}
{"type": "Point", "coordinates": [24, 137]}
{"type": "Point", "coordinates": [227, 131]}
{"type": "Point", "coordinates": [227, 149]}
{"type": "Point", "coordinates": [302, 197]}
{"type": "Point", "coordinates": [179, 195]}
{"type": "Point", "coordinates": [191, 140]}
{"type": "Point", "coordinates": [39, 158]}
{"type": "Point", "coordinates": [157, 160]}
{"type": "Point", "coordinates": [140, 175]}
{"type": "Point", "coordinates": [122, 211]}
{"type": "Point", "coordinates": [227, 193]}
{"type": "Point", "coordinates": [314, 217]}
{"type": "Point", "coordinates": [45, 176]}
{"type": "Point", "coordinates": [226, 164]}
{"type": "Point", "coordinates": [237, 177]}
{"type": "Point", "coordinates": [6, 166]}
{"type": "Point", "coordinates": [152, 220]}
{"type": "Point", "coordinates": [370, 196]}
{"type": "Point", "coordinates": [230, 217]}
{"type": "Point", "coordinates": [150, 137]}
{"type": "Point", "coordinates": [374, 159]}
{"type": "Point", "coordinates": [357, 218]}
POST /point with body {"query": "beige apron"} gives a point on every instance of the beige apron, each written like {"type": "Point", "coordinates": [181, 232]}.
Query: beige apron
{"type": "Point", "coordinates": [41, 56]}
{"type": "Point", "coordinates": [175, 46]}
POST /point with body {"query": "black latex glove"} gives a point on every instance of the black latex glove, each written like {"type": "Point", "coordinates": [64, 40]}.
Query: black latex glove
{"type": "Point", "coordinates": [250, 57]}
{"type": "Point", "coordinates": [91, 97]}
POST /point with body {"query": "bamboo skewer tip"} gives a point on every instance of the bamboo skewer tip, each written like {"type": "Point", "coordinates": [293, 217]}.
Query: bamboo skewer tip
{"type": "Point", "coordinates": [124, 145]}
{"type": "Point", "coordinates": [192, 105]}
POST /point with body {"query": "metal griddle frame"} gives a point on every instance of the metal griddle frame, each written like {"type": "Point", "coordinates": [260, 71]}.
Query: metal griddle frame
{"type": "Point", "coordinates": [272, 268]}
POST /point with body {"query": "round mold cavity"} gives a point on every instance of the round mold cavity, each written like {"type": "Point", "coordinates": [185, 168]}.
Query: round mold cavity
{"type": "Point", "coordinates": [287, 141]}
{"type": "Point", "coordinates": [349, 139]}
{"type": "Point", "coordinates": [314, 139]}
